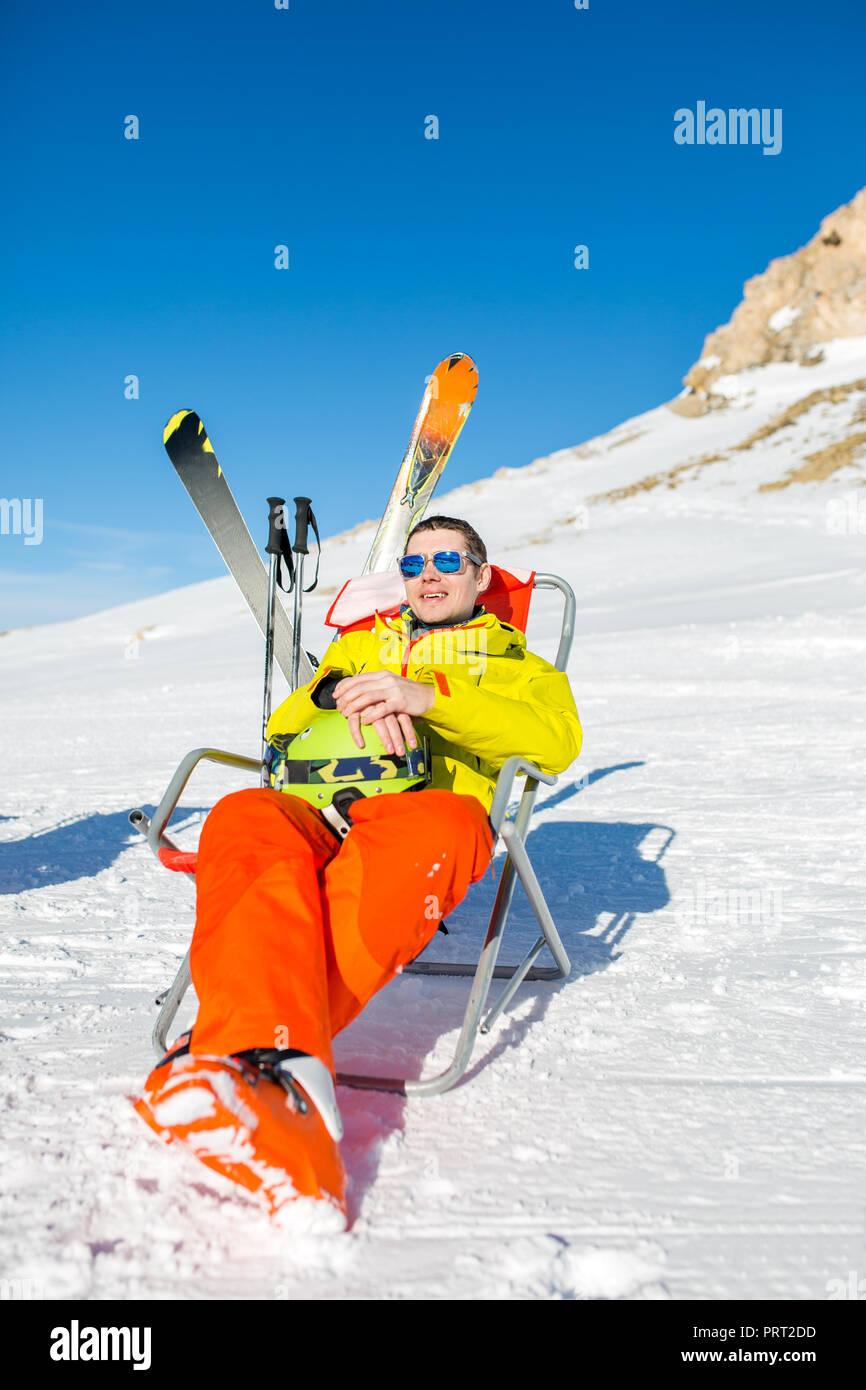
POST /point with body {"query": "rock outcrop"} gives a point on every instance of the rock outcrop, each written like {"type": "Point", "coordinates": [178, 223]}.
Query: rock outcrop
{"type": "Point", "coordinates": [799, 302]}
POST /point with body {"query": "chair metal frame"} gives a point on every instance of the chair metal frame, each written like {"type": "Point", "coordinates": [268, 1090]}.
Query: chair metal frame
{"type": "Point", "coordinates": [517, 866]}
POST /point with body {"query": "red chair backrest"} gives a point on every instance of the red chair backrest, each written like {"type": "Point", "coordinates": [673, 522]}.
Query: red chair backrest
{"type": "Point", "coordinates": [508, 598]}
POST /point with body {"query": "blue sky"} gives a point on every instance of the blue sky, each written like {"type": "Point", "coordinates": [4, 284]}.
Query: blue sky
{"type": "Point", "coordinates": [306, 126]}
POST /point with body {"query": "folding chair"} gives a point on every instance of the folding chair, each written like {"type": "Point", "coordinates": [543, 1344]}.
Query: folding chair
{"type": "Point", "coordinates": [508, 598]}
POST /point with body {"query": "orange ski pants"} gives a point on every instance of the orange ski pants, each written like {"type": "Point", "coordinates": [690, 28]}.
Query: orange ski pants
{"type": "Point", "coordinates": [296, 930]}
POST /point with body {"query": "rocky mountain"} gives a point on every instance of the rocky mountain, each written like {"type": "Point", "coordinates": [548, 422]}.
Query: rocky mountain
{"type": "Point", "coordinates": [787, 313]}
{"type": "Point", "coordinates": [773, 410]}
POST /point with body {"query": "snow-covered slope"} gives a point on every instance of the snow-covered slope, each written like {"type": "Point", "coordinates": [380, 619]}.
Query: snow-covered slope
{"type": "Point", "coordinates": [684, 1116]}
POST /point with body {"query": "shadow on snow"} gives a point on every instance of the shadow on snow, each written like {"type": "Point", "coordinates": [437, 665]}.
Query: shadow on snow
{"type": "Point", "coordinates": [74, 849]}
{"type": "Point", "coordinates": [596, 877]}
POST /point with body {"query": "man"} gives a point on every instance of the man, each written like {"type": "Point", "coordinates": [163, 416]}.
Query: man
{"type": "Point", "coordinates": [296, 929]}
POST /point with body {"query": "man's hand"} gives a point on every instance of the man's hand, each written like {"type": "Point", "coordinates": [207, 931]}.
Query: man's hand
{"type": "Point", "coordinates": [387, 702]}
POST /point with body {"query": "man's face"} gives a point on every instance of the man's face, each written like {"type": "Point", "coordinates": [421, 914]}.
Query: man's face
{"type": "Point", "coordinates": [444, 598]}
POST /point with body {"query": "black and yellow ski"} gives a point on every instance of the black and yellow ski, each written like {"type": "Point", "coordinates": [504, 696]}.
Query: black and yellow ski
{"type": "Point", "coordinates": [196, 464]}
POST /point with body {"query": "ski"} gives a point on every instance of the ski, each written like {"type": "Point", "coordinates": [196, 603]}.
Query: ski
{"type": "Point", "coordinates": [196, 464]}
{"type": "Point", "coordinates": [444, 409]}
{"type": "Point", "coordinates": [443, 413]}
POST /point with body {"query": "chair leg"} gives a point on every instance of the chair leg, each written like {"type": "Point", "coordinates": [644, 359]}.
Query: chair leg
{"type": "Point", "coordinates": [435, 1085]}
{"type": "Point", "coordinates": [170, 1002]}
{"type": "Point", "coordinates": [517, 865]}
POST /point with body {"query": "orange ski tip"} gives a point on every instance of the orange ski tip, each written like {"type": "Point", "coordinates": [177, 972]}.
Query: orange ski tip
{"type": "Point", "coordinates": [459, 368]}
{"type": "Point", "coordinates": [457, 359]}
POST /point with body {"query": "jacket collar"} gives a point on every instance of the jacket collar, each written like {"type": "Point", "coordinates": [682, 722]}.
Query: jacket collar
{"type": "Point", "coordinates": [500, 636]}
{"type": "Point", "coordinates": [419, 628]}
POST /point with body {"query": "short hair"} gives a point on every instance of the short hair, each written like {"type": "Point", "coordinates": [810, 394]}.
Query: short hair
{"type": "Point", "coordinates": [451, 523]}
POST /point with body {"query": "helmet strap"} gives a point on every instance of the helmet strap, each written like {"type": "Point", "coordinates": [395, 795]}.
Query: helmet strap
{"type": "Point", "coordinates": [337, 814]}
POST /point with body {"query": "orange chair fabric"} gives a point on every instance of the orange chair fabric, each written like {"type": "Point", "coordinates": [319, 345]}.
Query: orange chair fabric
{"type": "Point", "coordinates": [508, 598]}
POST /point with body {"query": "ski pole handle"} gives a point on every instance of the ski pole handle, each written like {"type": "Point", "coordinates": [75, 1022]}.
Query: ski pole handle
{"type": "Point", "coordinates": [276, 525]}
{"type": "Point", "coordinates": [303, 512]}
{"type": "Point", "coordinates": [304, 519]}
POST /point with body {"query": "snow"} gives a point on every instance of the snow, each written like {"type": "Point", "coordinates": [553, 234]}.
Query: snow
{"type": "Point", "coordinates": [783, 318]}
{"type": "Point", "coordinates": [194, 1103]}
{"type": "Point", "coordinates": [683, 1117]}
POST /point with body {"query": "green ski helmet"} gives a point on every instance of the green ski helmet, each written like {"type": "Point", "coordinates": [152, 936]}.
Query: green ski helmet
{"type": "Point", "coordinates": [316, 763]}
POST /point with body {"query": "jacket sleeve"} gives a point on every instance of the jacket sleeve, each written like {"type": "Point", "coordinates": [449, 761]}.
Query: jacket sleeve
{"type": "Point", "coordinates": [298, 710]}
{"type": "Point", "coordinates": [538, 721]}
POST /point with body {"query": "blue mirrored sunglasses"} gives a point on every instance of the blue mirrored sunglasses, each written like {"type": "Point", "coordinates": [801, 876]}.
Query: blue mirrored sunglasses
{"type": "Point", "coordinates": [444, 561]}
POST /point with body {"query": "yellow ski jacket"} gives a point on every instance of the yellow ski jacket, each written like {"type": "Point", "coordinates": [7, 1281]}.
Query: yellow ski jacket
{"type": "Point", "coordinates": [494, 699]}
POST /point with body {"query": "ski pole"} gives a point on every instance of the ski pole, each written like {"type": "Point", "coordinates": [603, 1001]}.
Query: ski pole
{"type": "Point", "coordinates": [303, 517]}
{"type": "Point", "coordinates": [274, 548]}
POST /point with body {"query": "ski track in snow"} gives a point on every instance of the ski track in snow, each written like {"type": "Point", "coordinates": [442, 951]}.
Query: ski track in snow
{"type": "Point", "coordinates": [682, 1118]}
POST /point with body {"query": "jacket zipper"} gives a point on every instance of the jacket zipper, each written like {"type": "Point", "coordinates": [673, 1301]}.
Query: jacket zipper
{"type": "Point", "coordinates": [479, 622]}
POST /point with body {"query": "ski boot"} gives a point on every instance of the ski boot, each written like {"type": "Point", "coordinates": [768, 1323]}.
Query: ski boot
{"type": "Point", "coordinates": [266, 1118]}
